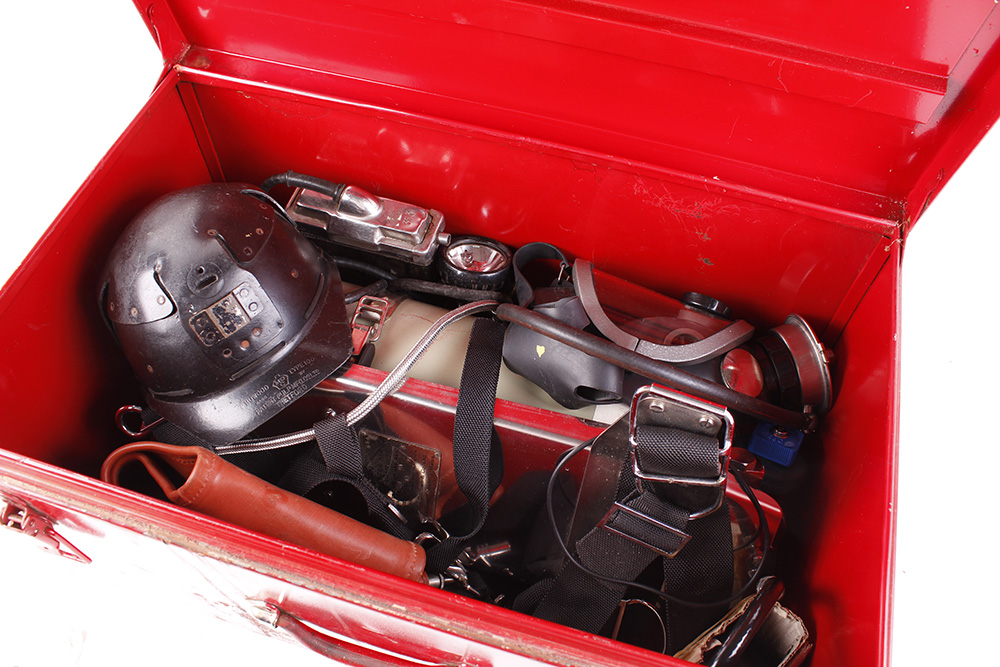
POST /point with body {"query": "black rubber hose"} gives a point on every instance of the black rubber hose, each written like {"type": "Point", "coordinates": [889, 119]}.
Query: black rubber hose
{"type": "Point", "coordinates": [449, 291]}
{"type": "Point", "coordinates": [652, 369]}
{"type": "Point", "coordinates": [356, 295]}
{"type": "Point", "coordinates": [363, 267]}
{"type": "Point", "coordinates": [295, 180]}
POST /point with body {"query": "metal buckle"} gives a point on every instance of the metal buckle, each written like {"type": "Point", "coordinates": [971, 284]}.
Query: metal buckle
{"type": "Point", "coordinates": [661, 407]}
{"type": "Point", "coordinates": [128, 413]}
{"type": "Point", "coordinates": [19, 516]}
{"type": "Point", "coordinates": [625, 509]}
{"type": "Point", "coordinates": [366, 325]}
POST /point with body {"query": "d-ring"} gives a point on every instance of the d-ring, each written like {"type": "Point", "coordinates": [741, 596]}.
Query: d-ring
{"type": "Point", "coordinates": [127, 412]}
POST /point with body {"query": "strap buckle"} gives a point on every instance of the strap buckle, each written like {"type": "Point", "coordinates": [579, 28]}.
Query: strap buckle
{"type": "Point", "coordinates": [645, 530]}
{"type": "Point", "coordinates": [366, 325]}
{"type": "Point", "coordinates": [658, 407]}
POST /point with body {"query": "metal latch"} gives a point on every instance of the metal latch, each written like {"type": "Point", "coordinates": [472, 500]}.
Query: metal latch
{"type": "Point", "coordinates": [366, 325]}
{"type": "Point", "coordinates": [20, 517]}
{"type": "Point", "coordinates": [359, 219]}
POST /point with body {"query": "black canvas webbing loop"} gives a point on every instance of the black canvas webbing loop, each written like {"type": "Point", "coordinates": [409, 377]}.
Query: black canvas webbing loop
{"type": "Point", "coordinates": [673, 452]}
{"type": "Point", "coordinates": [665, 450]}
{"type": "Point", "coordinates": [645, 522]}
{"type": "Point", "coordinates": [477, 453]}
{"type": "Point", "coordinates": [337, 457]}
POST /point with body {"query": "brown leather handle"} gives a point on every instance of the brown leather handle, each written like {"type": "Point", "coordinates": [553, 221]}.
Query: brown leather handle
{"type": "Point", "coordinates": [215, 487]}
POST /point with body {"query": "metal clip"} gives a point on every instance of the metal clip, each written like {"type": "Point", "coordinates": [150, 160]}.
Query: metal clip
{"type": "Point", "coordinates": [490, 556]}
{"type": "Point", "coordinates": [620, 515]}
{"type": "Point", "coordinates": [483, 556]}
{"type": "Point", "coordinates": [130, 411]}
{"type": "Point", "coordinates": [565, 273]}
{"type": "Point", "coordinates": [366, 325]}
{"type": "Point", "coordinates": [19, 516]}
{"type": "Point", "coordinates": [436, 534]}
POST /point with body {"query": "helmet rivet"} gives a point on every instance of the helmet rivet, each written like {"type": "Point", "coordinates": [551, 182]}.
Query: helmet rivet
{"type": "Point", "coordinates": [260, 231]}
{"type": "Point", "coordinates": [257, 331]}
{"type": "Point", "coordinates": [212, 232]}
{"type": "Point", "coordinates": [133, 311]}
{"type": "Point", "coordinates": [245, 344]}
{"type": "Point", "coordinates": [295, 273]}
{"type": "Point", "coordinates": [161, 299]}
{"type": "Point", "coordinates": [149, 368]}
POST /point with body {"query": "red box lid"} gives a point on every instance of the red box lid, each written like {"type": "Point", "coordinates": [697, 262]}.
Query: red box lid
{"type": "Point", "coordinates": [862, 107]}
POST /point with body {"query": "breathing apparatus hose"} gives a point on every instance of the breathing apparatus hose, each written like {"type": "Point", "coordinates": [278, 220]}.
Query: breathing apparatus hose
{"type": "Point", "coordinates": [654, 370]}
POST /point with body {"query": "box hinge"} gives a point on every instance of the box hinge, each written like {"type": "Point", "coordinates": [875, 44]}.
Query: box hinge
{"type": "Point", "coordinates": [20, 517]}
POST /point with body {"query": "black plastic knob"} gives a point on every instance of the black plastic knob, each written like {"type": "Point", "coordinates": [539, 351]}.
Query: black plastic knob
{"type": "Point", "coordinates": [708, 304]}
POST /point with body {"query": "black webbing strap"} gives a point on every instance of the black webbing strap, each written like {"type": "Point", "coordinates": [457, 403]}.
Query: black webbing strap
{"type": "Point", "coordinates": [666, 451]}
{"type": "Point", "coordinates": [338, 458]}
{"type": "Point", "coordinates": [703, 572]}
{"type": "Point", "coordinates": [650, 521]}
{"type": "Point", "coordinates": [477, 453]}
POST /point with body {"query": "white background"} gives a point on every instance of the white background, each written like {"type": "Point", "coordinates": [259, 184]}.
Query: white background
{"type": "Point", "coordinates": [75, 74]}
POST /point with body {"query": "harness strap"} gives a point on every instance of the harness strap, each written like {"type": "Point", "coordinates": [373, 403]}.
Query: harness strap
{"type": "Point", "coordinates": [477, 452]}
{"type": "Point", "coordinates": [338, 458]}
{"type": "Point", "coordinates": [650, 521]}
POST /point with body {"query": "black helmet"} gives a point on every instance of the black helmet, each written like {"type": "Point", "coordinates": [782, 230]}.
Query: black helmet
{"type": "Point", "coordinates": [224, 310]}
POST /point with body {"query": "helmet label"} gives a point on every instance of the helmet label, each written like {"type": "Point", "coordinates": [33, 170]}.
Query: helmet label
{"type": "Point", "coordinates": [284, 387]}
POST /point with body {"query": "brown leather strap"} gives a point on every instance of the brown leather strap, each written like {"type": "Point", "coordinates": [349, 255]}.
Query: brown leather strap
{"type": "Point", "coordinates": [215, 487]}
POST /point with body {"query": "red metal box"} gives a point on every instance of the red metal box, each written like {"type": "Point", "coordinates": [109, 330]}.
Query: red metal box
{"type": "Point", "coordinates": [735, 157]}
